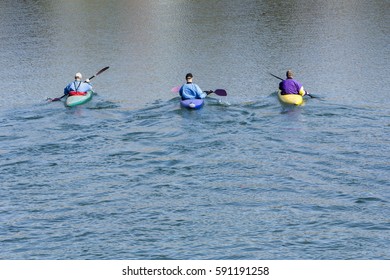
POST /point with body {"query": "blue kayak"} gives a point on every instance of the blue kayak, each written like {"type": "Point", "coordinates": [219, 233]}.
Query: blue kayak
{"type": "Point", "coordinates": [192, 103]}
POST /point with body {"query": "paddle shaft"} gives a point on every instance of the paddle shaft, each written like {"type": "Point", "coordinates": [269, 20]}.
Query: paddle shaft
{"type": "Point", "coordinates": [100, 71]}
{"type": "Point", "coordinates": [220, 92]}
{"type": "Point", "coordinates": [311, 96]}
{"type": "Point", "coordinates": [276, 76]}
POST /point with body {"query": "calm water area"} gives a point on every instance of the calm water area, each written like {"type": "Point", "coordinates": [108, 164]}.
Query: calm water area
{"type": "Point", "coordinates": [131, 175]}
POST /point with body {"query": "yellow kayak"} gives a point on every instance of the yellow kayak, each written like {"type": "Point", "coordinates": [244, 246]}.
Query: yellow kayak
{"type": "Point", "coordinates": [292, 99]}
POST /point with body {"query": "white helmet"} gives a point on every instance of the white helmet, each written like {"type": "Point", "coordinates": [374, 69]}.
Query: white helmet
{"type": "Point", "coordinates": [78, 75]}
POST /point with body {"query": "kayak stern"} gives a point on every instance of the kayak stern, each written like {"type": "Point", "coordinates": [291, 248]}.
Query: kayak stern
{"type": "Point", "coordinates": [291, 99]}
{"type": "Point", "coordinates": [192, 103]}
{"type": "Point", "coordinates": [75, 100]}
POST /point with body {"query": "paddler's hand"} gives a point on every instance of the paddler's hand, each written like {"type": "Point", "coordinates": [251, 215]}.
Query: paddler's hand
{"type": "Point", "coordinates": [308, 94]}
{"type": "Point", "coordinates": [87, 81]}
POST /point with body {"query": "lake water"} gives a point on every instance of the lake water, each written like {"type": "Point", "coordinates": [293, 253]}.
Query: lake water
{"type": "Point", "coordinates": [131, 175]}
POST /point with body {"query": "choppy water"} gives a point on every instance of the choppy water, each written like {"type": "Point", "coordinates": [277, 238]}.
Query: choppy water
{"type": "Point", "coordinates": [131, 175]}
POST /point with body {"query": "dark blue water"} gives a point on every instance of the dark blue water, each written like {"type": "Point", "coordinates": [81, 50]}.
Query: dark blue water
{"type": "Point", "coordinates": [131, 175]}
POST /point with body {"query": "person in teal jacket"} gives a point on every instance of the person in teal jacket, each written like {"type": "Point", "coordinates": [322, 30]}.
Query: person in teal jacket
{"type": "Point", "coordinates": [192, 91]}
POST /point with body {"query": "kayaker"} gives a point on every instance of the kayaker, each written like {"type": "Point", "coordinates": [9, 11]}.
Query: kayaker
{"type": "Point", "coordinates": [192, 91]}
{"type": "Point", "coordinates": [291, 86]}
{"type": "Point", "coordinates": [77, 87]}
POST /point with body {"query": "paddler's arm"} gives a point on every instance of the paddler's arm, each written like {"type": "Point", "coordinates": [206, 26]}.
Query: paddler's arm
{"type": "Point", "coordinates": [199, 93]}
{"type": "Point", "coordinates": [302, 91]}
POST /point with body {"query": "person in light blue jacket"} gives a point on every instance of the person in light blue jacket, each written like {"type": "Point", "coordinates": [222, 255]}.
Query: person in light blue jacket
{"type": "Point", "coordinates": [192, 91]}
{"type": "Point", "coordinates": [77, 87]}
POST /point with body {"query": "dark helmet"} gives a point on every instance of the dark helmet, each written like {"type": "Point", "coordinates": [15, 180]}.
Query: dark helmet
{"type": "Point", "coordinates": [189, 76]}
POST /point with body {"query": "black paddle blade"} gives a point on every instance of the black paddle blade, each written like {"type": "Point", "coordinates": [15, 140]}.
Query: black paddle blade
{"type": "Point", "coordinates": [104, 69]}
{"type": "Point", "coordinates": [101, 71]}
{"type": "Point", "coordinates": [220, 92]}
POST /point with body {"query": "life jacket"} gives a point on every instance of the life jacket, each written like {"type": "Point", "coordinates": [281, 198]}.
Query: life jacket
{"type": "Point", "coordinates": [72, 93]}
{"type": "Point", "coordinates": [76, 92]}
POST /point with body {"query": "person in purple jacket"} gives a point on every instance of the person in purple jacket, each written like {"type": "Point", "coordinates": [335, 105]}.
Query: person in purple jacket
{"type": "Point", "coordinates": [192, 91]}
{"type": "Point", "coordinates": [291, 86]}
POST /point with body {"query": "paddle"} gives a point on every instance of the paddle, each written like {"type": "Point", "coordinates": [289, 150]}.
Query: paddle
{"type": "Point", "coordinates": [59, 98]}
{"type": "Point", "coordinates": [311, 96]}
{"type": "Point", "coordinates": [220, 92]}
